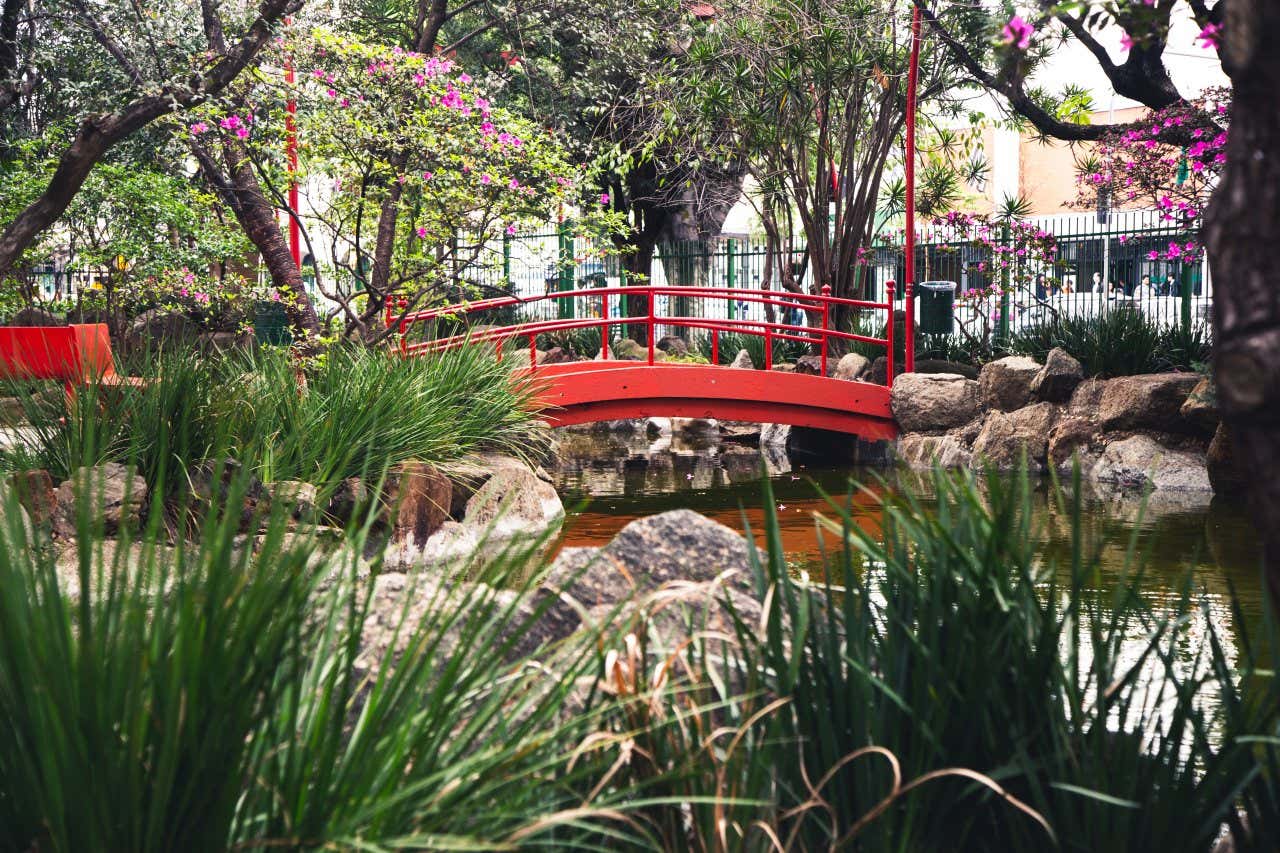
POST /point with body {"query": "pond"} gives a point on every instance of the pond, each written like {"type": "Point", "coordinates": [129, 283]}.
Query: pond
{"type": "Point", "coordinates": [608, 479]}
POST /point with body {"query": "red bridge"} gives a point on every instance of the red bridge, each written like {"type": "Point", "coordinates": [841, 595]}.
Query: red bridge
{"type": "Point", "coordinates": [607, 388]}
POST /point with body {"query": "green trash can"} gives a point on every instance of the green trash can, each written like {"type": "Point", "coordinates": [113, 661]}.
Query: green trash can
{"type": "Point", "coordinates": [271, 324]}
{"type": "Point", "coordinates": [937, 307]}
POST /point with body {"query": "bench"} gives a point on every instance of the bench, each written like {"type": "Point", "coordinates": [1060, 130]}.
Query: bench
{"type": "Point", "coordinates": [77, 355]}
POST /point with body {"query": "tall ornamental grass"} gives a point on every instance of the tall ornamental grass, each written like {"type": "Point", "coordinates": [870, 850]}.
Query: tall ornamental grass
{"type": "Point", "coordinates": [1120, 341]}
{"type": "Point", "coordinates": [349, 410]}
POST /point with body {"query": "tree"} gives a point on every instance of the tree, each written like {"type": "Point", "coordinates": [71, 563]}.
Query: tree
{"type": "Point", "coordinates": [811, 97]}
{"type": "Point", "coordinates": [1243, 216]}
{"type": "Point", "coordinates": [165, 69]}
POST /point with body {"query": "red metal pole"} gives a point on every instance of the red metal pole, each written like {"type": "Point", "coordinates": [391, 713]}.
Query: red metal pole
{"type": "Point", "coordinates": [291, 153]}
{"type": "Point", "coordinates": [650, 326]}
{"type": "Point", "coordinates": [826, 318]}
{"type": "Point", "coordinates": [891, 286]}
{"type": "Point", "coordinates": [403, 305]}
{"type": "Point", "coordinates": [913, 72]}
{"type": "Point", "coordinates": [604, 327]}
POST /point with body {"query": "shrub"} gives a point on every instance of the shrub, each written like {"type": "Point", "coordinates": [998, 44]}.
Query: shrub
{"type": "Point", "coordinates": [1121, 341]}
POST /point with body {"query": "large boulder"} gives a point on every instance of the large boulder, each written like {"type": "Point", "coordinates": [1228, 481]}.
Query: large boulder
{"type": "Point", "coordinates": [417, 499]}
{"type": "Point", "coordinates": [1152, 401]}
{"type": "Point", "coordinates": [1141, 462]}
{"type": "Point", "coordinates": [1058, 379]}
{"type": "Point", "coordinates": [35, 491]}
{"type": "Point", "coordinates": [810, 365]}
{"type": "Point", "coordinates": [672, 345]}
{"type": "Point", "coordinates": [1009, 437]}
{"type": "Point", "coordinates": [1087, 398]}
{"type": "Point", "coordinates": [1005, 384]}
{"type": "Point", "coordinates": [159, 327]}
{"type": "Point", "coordinates": [625, 349]}
{"type": "Point", "coordinates": [775, 436]}
{"type": "Point", "coordinates": [115, 495]}
{"type": "Point", "coordinates": [1224, 473]}
{"type": "Point", "coordinates": [679, 545]}
{"type": "Point", "coordinates": [513, 502]}
{"type": "Point", "coordinates": [1070, 437]}
{"type": "Point", "coordinates": [932, 402]}
{"type": "Point", "coordinates": [33, 316]}
{"type": "Point", "coordinates": [559, 355]}
{"type": "Point", "coordinates": [851, 366]}
{"type": "Point", "coordinates": [1200, 410]}
{"type": "Point", "coordinates": [742, 361]}
{"type": "Point", "coordinates": [923, 452]}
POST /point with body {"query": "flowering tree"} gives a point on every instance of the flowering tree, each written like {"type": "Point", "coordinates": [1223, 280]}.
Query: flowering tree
{"type": "Point", "coordinates": [382, 126]}
{"type": "Point", "coordinates": [1136, 164]}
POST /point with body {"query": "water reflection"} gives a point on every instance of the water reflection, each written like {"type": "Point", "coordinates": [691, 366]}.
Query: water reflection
{"type": "Point", "coordinates": [622, 475]}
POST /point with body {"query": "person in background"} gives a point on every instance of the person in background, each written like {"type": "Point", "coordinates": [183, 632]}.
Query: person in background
{"type": "Point", "coordinates": [1170, 287]}
{"type": "Point", "coordinates": [1042, 289]}
{"type": "Point", "coordinates": [1097, 283]}
{"type": "Point", "coordinates": [1068, 285]}
{"type": "Point", "coordinates": [1144, 290]}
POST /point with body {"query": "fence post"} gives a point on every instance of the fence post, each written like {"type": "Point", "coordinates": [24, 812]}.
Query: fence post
{"type": "Point", "coordinates": [768, 348]}
{"type": "Point", "coordinates": [1185, 287]}
{"type": "Point", "coordinates": [890, 288]}
{"type": "Point", "coordinates": [564, 308]}
{"type": "Point", "coordinates": [733, 273]}
{"type": "Point", "coordinates": [506, 259]}
{"type": "Point", "coordinates": [715, 346]}
{"type": "Point", "coordinates": [1005, 272]}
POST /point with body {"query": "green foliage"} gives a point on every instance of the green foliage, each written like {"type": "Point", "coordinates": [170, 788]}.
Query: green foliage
{"type": "Point", "coordinates": [349, 411]}
{"type": "Point", "coordinates": [731, 343]}
{"type": "Point", "coordinates": [211, 697]}
{"type": "Point", "coordinates": [947, 641]}
{"type": "Point", "coordinates": [1120, 341]}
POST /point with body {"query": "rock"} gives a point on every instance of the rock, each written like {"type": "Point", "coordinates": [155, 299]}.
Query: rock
{"type": "Point", "coordinates": [17, 530]}
{"type": "Point", "coordinates": [775, 436]}
{"type": "Point", "coordinates": [12, 411]}
{"type": "Point", "coordinates": [1141, 462]}
{"type": "Point", "coordinates": [657, 426]}
{"type": "Point", "coordinates": [851, 366]}
{"type": "Point", "coordinates": [417, 499]}
{"type": "Point", "coordinates": [1224, 474]}
{"type": "Point", "coordinates": [700, 427]}
{"type": "Point", "coordinates": [1058, 379]}
{"type": "Point", "coordinates": [625, 349]}
{"type": "Point", "coordinates": [968, 433]}
{"type": "Point", "coordinates": [672, 345]}
{"type": "Point", "coordinates": [938, 365]}
{"type": "Point", "coordinates": [559, 355]}
{"type": "Point", "coordinates": [349, 499]}
{"type": "Point", "coordinates": [519, 359]}
{"type": "Point", "coordinates": [116, 495]}
{"type": "Point", "coordinates": [923, 452]}
{"type": "Point", "coordinates": [33, 316]}
{"type": "Point", "coordinates": [1068, 437]}
{"type": "Point", "coordinates": [160, 327]}
{"type": "Point", "coordinates": [876, 374]}
{"type": "Point", "coordinates": [1087, 398]}
{"type": "Point", "coordinates": [1200, 409]}
{"type": "Point", "coordinates": [1009, 437]}
{"type": "Point", "coordinates": [679, 545]}
{"type": "Point", "coordinates": [298, 495]}
{"type": "Point", "coordinates": [810, 365]}
{"type": "Point", "coordinates": [1005, 384]}
{"type": "Point", "coordinates": [35, 492]}
{"type": "Point", "coordinates": [513, 502]}
{"type": "Point", "coordinates": [742, 361]}
{"type": "Point", "coordinates": [214, 343]}
{"type": "Point", "coordinates": [740, 464]}
{"type": "Point", "coordinates": [1153, 401]}
{"type": "Point", "coordinates": [784, 367]}
{"type": "Point", "coordinates": [212, 484]}
{"type": "Point", "coordinates": [939, 401]}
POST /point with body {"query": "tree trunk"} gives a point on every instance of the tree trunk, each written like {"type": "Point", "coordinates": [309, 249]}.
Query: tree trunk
{"type": "Point", "coordinates": [1242, 222]}
{"type": "Point", "coordinates": [239, 190]}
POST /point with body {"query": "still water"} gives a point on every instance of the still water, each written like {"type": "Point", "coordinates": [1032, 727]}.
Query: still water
{"type": "Point", "coordinates": [608, 479]}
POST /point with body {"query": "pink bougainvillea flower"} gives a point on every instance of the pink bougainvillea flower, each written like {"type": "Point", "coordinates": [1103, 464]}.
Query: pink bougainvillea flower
{"type": "Point", "coordinates": [1017, 33]}
{"type": "Point", "coordinates": [511, 230]}
{"type": "Point", "coordinates": [426, 176]}
{"type": "Point", "coordinates": [231, 122]}
{"type": "Point", "coordinates": [485, 179]}
{"type": "Point", "coordinates": [513, 184]}
{"type": "Point", "coordinates": [464, 78]}
{"type": "Point", "coordinates": [1210, 36]}
{"type": "Point", "coordinates": [242, 132]}
{"type": "Point", "coordinates": [421, 232]}
{"type": "Point", "coordinates": [604, 198]}
{"type": "Point", "coordinates": [1126, 42]}
{"type": "Point", "coordinates": [199, 128]}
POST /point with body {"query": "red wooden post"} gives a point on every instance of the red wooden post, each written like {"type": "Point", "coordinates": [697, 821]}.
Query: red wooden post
{"type": "Point", "coordinates": [768, 348]}
{"type": "Point", "coordinates": [533, 353]}
{"type": "Point", "coordinates": [890, 286]}
{"type": "Point", "coordinates": [387, 302]}
{"type": "Point", "coordinates": [913, 72]}
{"type": "Point", "coordinates": [826, 319]}
{"type": "Point", "coordinates": [403, 305]}
{"type": "Point", "coordinates": [604, 327]}
{"type": "Point", "coordinates": [650, 325]}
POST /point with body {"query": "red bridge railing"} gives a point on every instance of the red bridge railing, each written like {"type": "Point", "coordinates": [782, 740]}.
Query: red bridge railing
{"type": "Point", "coordinates": [819, 308]}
